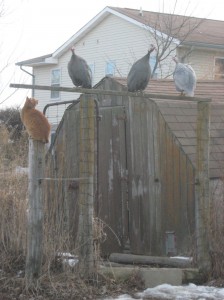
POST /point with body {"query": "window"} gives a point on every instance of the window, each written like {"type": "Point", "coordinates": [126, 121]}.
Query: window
{"type": "Point", "coordinates": [92, 68]}
{"type": "Point", "coordinates": [110, 68]}
{"type": "Point", "coordinates": [219, 68]}
{"type": "Point", "coordinates": [152, 62]}
{"type": "Point", "coordinates": [55, 81]}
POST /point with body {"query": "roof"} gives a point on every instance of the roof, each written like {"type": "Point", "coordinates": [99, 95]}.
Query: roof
{"type": "Point", "coordinates": [209, 33]}
{"type": "Point", "coordinates": [213, 89]}
{"type": "Point", "coordinates": [181, 118]}
{"type": "Point", "coordinates": [37, 61]}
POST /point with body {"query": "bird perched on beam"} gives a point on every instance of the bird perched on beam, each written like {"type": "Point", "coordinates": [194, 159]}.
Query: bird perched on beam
{"type": "Point", "coordinates": [184, 78]}
{"type": "Point", "coordinates": [79, 71]}
{"type": "Point", "coordinates": [140, 73]}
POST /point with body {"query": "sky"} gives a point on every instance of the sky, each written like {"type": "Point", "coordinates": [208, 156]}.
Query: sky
{"type": "Point", "coordinates": [31, 28]}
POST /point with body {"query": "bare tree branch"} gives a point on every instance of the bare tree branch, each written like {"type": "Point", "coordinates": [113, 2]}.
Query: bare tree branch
{"type": "Point", "coordinates": [170, 31]}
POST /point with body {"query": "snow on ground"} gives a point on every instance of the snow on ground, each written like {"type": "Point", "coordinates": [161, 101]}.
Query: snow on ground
{"type": "Point", "coordinates": [185, 292]}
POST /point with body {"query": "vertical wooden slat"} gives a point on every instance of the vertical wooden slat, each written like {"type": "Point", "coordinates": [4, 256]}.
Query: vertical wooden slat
{"type": "Point", "coordinates": [177, 209]}
{"type": "Point", "coordinates": [163, 171]}
{"type": "Point", "coordinates": [157, 181]}
{"type": "Point", "coordinates": [141, 177]}
{"type": "Point", "coordinates": [169, 183]}
{"type": "Point", "coordinates": [202, 187]}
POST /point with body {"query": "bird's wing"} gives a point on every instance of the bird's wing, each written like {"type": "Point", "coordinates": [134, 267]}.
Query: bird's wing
{"type": "Point", "coordinates": [185, 79]}
{"type": "Point", "coordinates": [180, 78]}
{"type": "Point", "coordinates": [191, 70]}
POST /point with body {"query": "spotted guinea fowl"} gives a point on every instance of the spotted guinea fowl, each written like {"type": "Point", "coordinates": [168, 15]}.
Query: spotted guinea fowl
{"type": "Point", "coordinates": [140, 73]}
{"type": "Point", "coordinates": [79, 71]}
{"type": "Point", "coordinates": [184, 78]}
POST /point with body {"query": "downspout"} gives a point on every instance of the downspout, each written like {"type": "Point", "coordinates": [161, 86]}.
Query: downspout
{"type": "Point", "coordinates": [33, 77]}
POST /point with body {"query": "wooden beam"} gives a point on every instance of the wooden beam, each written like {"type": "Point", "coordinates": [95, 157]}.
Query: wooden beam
{"type": "Point", "coordinates": [106, 92]}
{"type": "Point", "coordinates": [150, 260]}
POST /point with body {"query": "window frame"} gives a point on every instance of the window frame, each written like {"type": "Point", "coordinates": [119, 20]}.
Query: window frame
{"type": "Point", "coordinates": [55, 84]}
{"type": "Point", "coordinates": [152, 62]}
{"type": "Point", "coordinates": [112, 64]}
{"type": "Point", "coordinates": [218, 74]}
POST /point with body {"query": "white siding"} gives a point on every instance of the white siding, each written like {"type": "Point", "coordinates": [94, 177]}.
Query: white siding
{"type": "Point", "coordinates": [113, 39]}
{"type": "Point", "coordinates": [203, 62]}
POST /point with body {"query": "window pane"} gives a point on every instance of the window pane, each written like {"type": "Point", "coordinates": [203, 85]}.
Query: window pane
{"type": "Point", "coordinates": [55, 81]}
{"type": "Point", "coordinates": [55, 94]}
{"type": "Point", "coordinates": [55, 76]}
{"type": "Point", "coordinates": [152, 61]}
{"type": "Point", "coordinates": [110, 68]}
{"type": "Point", "coordinates": [219, 67]}
{"type": "Point", "coordinates": [91, 66]}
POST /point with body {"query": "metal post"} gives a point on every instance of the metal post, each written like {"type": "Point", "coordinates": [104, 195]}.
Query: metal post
{"type": "Point", "coordinates": [86, 188]}
{"type": "Point", "coordinates": [202, 208]}
{"type": "Point", "coordinates": [35, 212]}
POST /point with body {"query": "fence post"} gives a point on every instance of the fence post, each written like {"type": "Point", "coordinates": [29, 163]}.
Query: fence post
{"type": "Point", "coordinates": [202, 191]}
{"type": "Point", "coordinates": [35, 212]}
{"type": "Point", "coordinates": [86, 187]}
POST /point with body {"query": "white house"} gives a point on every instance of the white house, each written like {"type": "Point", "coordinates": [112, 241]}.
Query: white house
{"type": "Point", "coordinates": [116, 37]}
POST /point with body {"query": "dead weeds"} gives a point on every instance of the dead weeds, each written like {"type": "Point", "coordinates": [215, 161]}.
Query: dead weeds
{"type": "Point", "coordinates": [66, 286]}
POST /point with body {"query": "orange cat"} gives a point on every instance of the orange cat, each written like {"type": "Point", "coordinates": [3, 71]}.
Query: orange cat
{"type": "Point", "coordinates": [35, 121]}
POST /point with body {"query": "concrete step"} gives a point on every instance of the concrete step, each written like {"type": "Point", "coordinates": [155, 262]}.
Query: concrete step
{"type": "Point", "coordinates": [155, 276]}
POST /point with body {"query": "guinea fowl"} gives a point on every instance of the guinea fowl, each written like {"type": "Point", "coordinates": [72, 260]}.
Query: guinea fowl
{"type": "Point", "coordinates": [184, 78]}
{"type": "Point", "coordinates": [140, 73]}
{"type": "Point", "coordinates": [79, 71]}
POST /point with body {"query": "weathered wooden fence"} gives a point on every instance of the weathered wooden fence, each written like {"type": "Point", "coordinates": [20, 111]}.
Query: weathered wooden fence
{"type": "Point", "coordinates": [146, 190]}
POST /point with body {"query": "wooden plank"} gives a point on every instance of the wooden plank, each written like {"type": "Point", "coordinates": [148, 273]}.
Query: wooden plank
{"type": "Point", "coordinates": [150, 183]}
{"type": "Point", "coordinates": [163, 172]}
{"type": "Point", "coordinates": [184, 241]}
{"type": "Point", "coordinates": [202, 212]}
{"type": "Point", "coordinates": [177, 207]}
{"type": "Point", "coordinates": [170, 215]}
{"type": "Point", "coordinates": [135, 178]}
{"type": "Point", "coordinates": [157, 180]}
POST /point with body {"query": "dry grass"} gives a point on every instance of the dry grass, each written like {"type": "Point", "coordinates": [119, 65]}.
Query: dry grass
{"type": "Point", "coordinates": [217, 230]}
{"type": "Point", "coordinates": [58, 281]}
{"type": "Point", "coordinates": [13, 201]}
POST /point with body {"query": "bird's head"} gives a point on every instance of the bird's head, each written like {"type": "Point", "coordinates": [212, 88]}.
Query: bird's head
{"type": "Point", "coordinates": [152, 48]}
{"type": "Point", "coordinates": [73, 50]}
{"type": "Point", "coordinates": [175, 59]}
